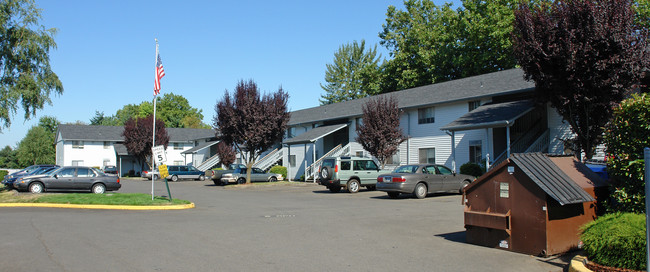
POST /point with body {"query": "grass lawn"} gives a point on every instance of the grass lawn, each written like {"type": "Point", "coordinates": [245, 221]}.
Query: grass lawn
{"type": "Point", "coordinates": [88, 198]}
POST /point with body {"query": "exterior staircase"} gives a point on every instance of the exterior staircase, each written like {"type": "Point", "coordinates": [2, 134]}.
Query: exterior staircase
{"type": "Point", "coordinates": [335, 152]}
{"type": "Point", "coordinates": [528, 143]}
{"type": "Point", "coordinates": [269, 160]}
{"type": "Point", "coordinates": [212, 161]}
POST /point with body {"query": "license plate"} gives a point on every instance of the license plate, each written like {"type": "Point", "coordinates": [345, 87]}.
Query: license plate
{"type": "Point", "coordinates": [387, 179]}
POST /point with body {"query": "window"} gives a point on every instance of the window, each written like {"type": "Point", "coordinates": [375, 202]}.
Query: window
{"type": "Point", "coordinates": [359, 154]}
{"type": "Point", "coordinates": [178, 146]}
{"type": "Point", "coordinates": [358, 121]}
{"type": "Point", "coordinates": [365, 165]}
{"type": "Point", "coordinates": [475, 155]}
{"type": "Point", "coordinates": [66, 173]}
{"type": "Point", "coordinates": [426, 115]}
{"type": "Point", "coordinates": [430, 169]}
{"type": "Point", "coordinates": [85, 173]}
{"type": "Point", "coordinates": [393, 159]}
{"type": "Point", "coordinates": [106, 162]}
{"type": "Point", "coordinates": [444, 170]}
{"type": "Point", "coordinates": [427, 155]}
{"type": "Point", "coordinates": [107, 145]}
{"type": "Point", "coordinates": [345, 165]}
{"type": "Point", "coordinates": [474, 104]}
{"type": "Point", "coordinates": [292, 160]}
{"type": "Point", "coordinates": [179, 162]}
{"type": "Point", "coordinates": [78, 144]}
{"type": "Point", "coordinates": [77, 163]}
{"type": "Point", "coordinates": [291, 132]}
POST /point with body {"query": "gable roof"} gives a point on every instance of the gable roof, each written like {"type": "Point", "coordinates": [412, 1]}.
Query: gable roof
{"type": "Point", "coordinates": [114, 133]}
{"type": "Point", "coordinates": [550, 178]}
{"type": "Point", "coordinates": [491, 115]}
{"type": "Point", "coordinates": [476, 87]}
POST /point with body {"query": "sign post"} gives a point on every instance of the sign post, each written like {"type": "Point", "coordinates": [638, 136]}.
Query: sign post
{"type": "Point", "coordinates": [160, 158]}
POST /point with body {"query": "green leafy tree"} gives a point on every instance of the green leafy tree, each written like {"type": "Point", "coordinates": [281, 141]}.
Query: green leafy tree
{"type": "Point", "coordinates": [584, 57]}
{"type": "Point", "coordinates": [26, 79]}
{"type": "Point", "coordinates": [354, 74]}
{"type": "Point", "coordinates": [430, 43]}
{"type": "Point", "coordinates": [642, 8]}
{"type": "Point", "coordinates": [176, 111]}
{"type": "Point", "coordinates": [49, 123]}
{"type": "Point", "coordinates": [625, 137]}
{"type": "Point", "coordinates": [8, 158]}
{"type": "Point", "coordinates": [37, 147]}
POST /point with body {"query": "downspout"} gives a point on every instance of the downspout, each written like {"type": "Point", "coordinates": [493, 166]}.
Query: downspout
{"type": "Point", "coordinates": [453, 149]}
{"type": "Point", "coordinates": [508, 139]}
{"type": "Point", "coordinates": [313, 160]}
{"type": "Point", "coordinates": [408, 137]}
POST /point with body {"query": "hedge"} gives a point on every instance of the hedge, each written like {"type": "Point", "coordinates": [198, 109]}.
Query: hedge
{"type": "Point", "coordinates": [616, 240]}
{"type": "Point", "coordinates": [279, 169]}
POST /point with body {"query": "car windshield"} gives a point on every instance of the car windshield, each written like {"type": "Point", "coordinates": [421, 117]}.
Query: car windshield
{"type": "Point", "coordinates": [406, 169]}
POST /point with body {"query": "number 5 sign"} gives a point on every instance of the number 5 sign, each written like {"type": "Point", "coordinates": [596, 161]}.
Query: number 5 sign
{"type": "Point", "coordinates": [159, 155]}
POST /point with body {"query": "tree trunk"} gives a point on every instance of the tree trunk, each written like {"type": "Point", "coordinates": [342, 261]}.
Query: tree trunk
{"type": "Point", "coordinates": [249, 167]}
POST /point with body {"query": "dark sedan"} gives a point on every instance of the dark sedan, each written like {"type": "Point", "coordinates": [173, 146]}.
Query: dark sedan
{"type": "Point", "coordinates": [422, 179]}
{"type": "Point", "coordinates": [30, 171]}
{"type": "Point", "coordinates": [70, 178]}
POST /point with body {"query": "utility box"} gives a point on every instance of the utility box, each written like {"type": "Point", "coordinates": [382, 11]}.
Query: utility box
{"type": "Point", "coordinates": [532, 203]}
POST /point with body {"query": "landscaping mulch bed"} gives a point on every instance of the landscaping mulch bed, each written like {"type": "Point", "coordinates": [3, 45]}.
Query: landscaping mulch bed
{"type": "Point", "coordinates": [601, 268]}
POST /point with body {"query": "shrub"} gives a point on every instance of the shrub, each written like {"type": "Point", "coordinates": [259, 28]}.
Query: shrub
{"type": "Point", "coordinates": [472, 169]}
{"type": "Point", "coordinates": [131, 173]}
{"type": "Point", "coordinates": [616, 240]}
{"type": "Point", "coordinates": [625, 138]}
{"type": "Point", "coordinates": [279, 169]}
{"type": "Point", "coordinates": [3, 173]}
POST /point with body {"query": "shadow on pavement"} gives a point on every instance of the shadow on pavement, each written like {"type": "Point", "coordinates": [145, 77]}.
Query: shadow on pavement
{"type": "Point", "coordinates": [458, 237]}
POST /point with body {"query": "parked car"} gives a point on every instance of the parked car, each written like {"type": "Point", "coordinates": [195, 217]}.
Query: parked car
{"type": "Point", "coordinates": [350, 173]}
{"type": "Point", "coordinates": [110, 169]}
{"type": "Point", "coordinates": [422, 179]}
{"type": "Point", "coordinates": [9, 180]}
{"type": "Point", "coordinates": [177, 172]}
{"type": "Point", "coordinates": [149, 173]}
{"type": "Point", "coordinates": [257, 175]}
{"type": "Point", "coordinates": [217, 174]}
{"type": "Point", "coordinates": [69, 178]}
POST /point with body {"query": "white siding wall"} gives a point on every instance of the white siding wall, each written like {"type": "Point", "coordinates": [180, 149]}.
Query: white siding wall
{"type": "Point", "coordinates": [93, 154]}
{"type": "Point", "coordinates": [59, 151]}
{"type": "Point", "coordinates": [174, 155]}
{"type": "Point", "coordinates": [559, 129]}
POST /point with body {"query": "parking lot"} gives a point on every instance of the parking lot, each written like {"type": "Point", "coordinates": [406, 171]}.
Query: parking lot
{"type": "Point", "coordinates": [302, 227]}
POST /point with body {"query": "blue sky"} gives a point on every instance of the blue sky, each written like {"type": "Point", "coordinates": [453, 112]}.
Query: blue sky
{"type": "Point", "coordinates": [106, 50]}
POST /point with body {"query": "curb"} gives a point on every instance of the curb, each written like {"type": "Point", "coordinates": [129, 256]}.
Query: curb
{"type": "Point", "coordinates": [99, 207]}
{"type": "Point", "coordinates": [577, 264]}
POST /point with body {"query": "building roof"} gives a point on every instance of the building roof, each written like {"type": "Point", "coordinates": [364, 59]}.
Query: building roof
{"type": "Point", "coordinates": [550, 178]}
{"type": "Point", "coordinates": [200, 147]}
{"type": "Point", "coordinates": [476, 87]}
{"type": "Point", "coordinates": [114, 133]}
{"type": "Point", "coordinates": [314, 134]}
{"type": "Point", "coordinates": [491, 115]}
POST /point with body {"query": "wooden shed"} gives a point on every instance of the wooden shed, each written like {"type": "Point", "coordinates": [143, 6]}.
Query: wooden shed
{"type": "Point", "coordinates": [532, 203]}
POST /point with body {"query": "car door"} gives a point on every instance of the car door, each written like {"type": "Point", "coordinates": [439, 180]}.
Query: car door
{"type": "Point", "coordinates": [450, 183]}
{"type": "Point", "coordinates": [183, 172]}
{"type": "Point", "coordinates": [366, 170]}
{"type": "Point", "coordinates": [258, 175]}
{"type": "Point", "coordinates": [194, 173]}
{"type": "Point", "coordinates": [64, 179]}
{"type": "Point", "coordinates": [84, 179]}
{"type": "Point", "coordinates": [434, 181]}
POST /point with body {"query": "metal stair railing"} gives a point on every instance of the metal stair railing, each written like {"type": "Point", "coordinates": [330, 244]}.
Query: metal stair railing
{"type": "Point", "coordinates": [208, 163]}
{"type": "Point", "coordinates": [335, 152]}
{"type": "Point", "coordinates": [541, 144]}
{"type": "Point", "coordinates": [269, 160]}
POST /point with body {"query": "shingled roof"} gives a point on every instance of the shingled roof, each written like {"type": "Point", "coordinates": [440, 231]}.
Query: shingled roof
{"type": "Point", "coordinates": [476, 87]}
{"type": "Point", "coordinates": [114, 133]}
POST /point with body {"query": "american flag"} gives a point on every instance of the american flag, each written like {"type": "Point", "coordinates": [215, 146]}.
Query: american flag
{"type": "Point", "coordinates": [160, 73]}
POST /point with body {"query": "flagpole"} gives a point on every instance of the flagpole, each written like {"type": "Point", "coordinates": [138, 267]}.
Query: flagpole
{"type": "Point", "coordinates": [153, 144]}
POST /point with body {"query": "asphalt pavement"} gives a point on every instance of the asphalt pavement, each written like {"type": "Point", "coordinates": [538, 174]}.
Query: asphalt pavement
{"type": "Point", "coordinates": [302, 227]}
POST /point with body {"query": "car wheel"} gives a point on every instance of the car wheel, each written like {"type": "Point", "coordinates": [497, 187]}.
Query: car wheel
{"type": "Point", "coordinates": [99, 188]}
{"type": "Point", "coordinates": [353, 186]}
{"type": "Point", "coordinates": [326, 173]}
{"type": "Point", "coordinates": [156, 176]}
{"type": "Point", "coordinates": [393, 195]}
{"type": "Point", "coordinates": [36, 188]}
{"type": "Point", "coordinates": [217, 182]}
{"type": "Point", "coordinates": [420, 191]}
{"type": "Point", "coordinates": [201, 177]}
{"type": "Point", "coordinates": [241, 181]}
{"type": "Point", "coordinates": [462, 186]}
{"type": "Point", "coordinates": [174, 178]}
{"type": "Point", "coordinates": [334, 189]}
{"type": "Point", "coordinates": [273, 179]}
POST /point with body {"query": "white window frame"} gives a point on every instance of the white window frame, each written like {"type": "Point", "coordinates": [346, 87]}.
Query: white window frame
{"type": "Point", "coordinates": [473, 145]}
{"type": "Point", "coordinates": [426, 115]}
{"type": "Point", "coordinates": [77, 163]}
{"type": "Point", "coordinates": [427, 158]}
{"type": "Point", "coordinates": [78, 144]}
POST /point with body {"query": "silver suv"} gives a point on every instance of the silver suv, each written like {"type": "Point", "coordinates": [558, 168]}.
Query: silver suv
{"type": "Point", "coordinates": [350, 173]}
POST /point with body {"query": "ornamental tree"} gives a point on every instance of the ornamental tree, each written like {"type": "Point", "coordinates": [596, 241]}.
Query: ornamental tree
{"type": "Point", "coordinates": [251, 122]}
{"type": "Point", "coordinates": [584, 57]}
{"type": "Point", "coordinates": [226, 153]}
{"type": "Point", "coordinates": [138, 138]}
{"type": "Point", "coordinates": [379, 133]}
{"type": "Point", "coordinates": [625, 138]}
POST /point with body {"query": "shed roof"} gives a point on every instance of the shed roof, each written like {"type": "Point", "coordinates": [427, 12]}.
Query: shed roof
{"type": "Point", "coordinates": [200, 147]}
{"type": "Point", "coordinates": [491, 115]}
{"type": "Point", "coordinates": [550, 178]}
{"type": "Point", "coordinates": [476, 87]}
{"type": "Point", "coordinates": [314, 134]}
